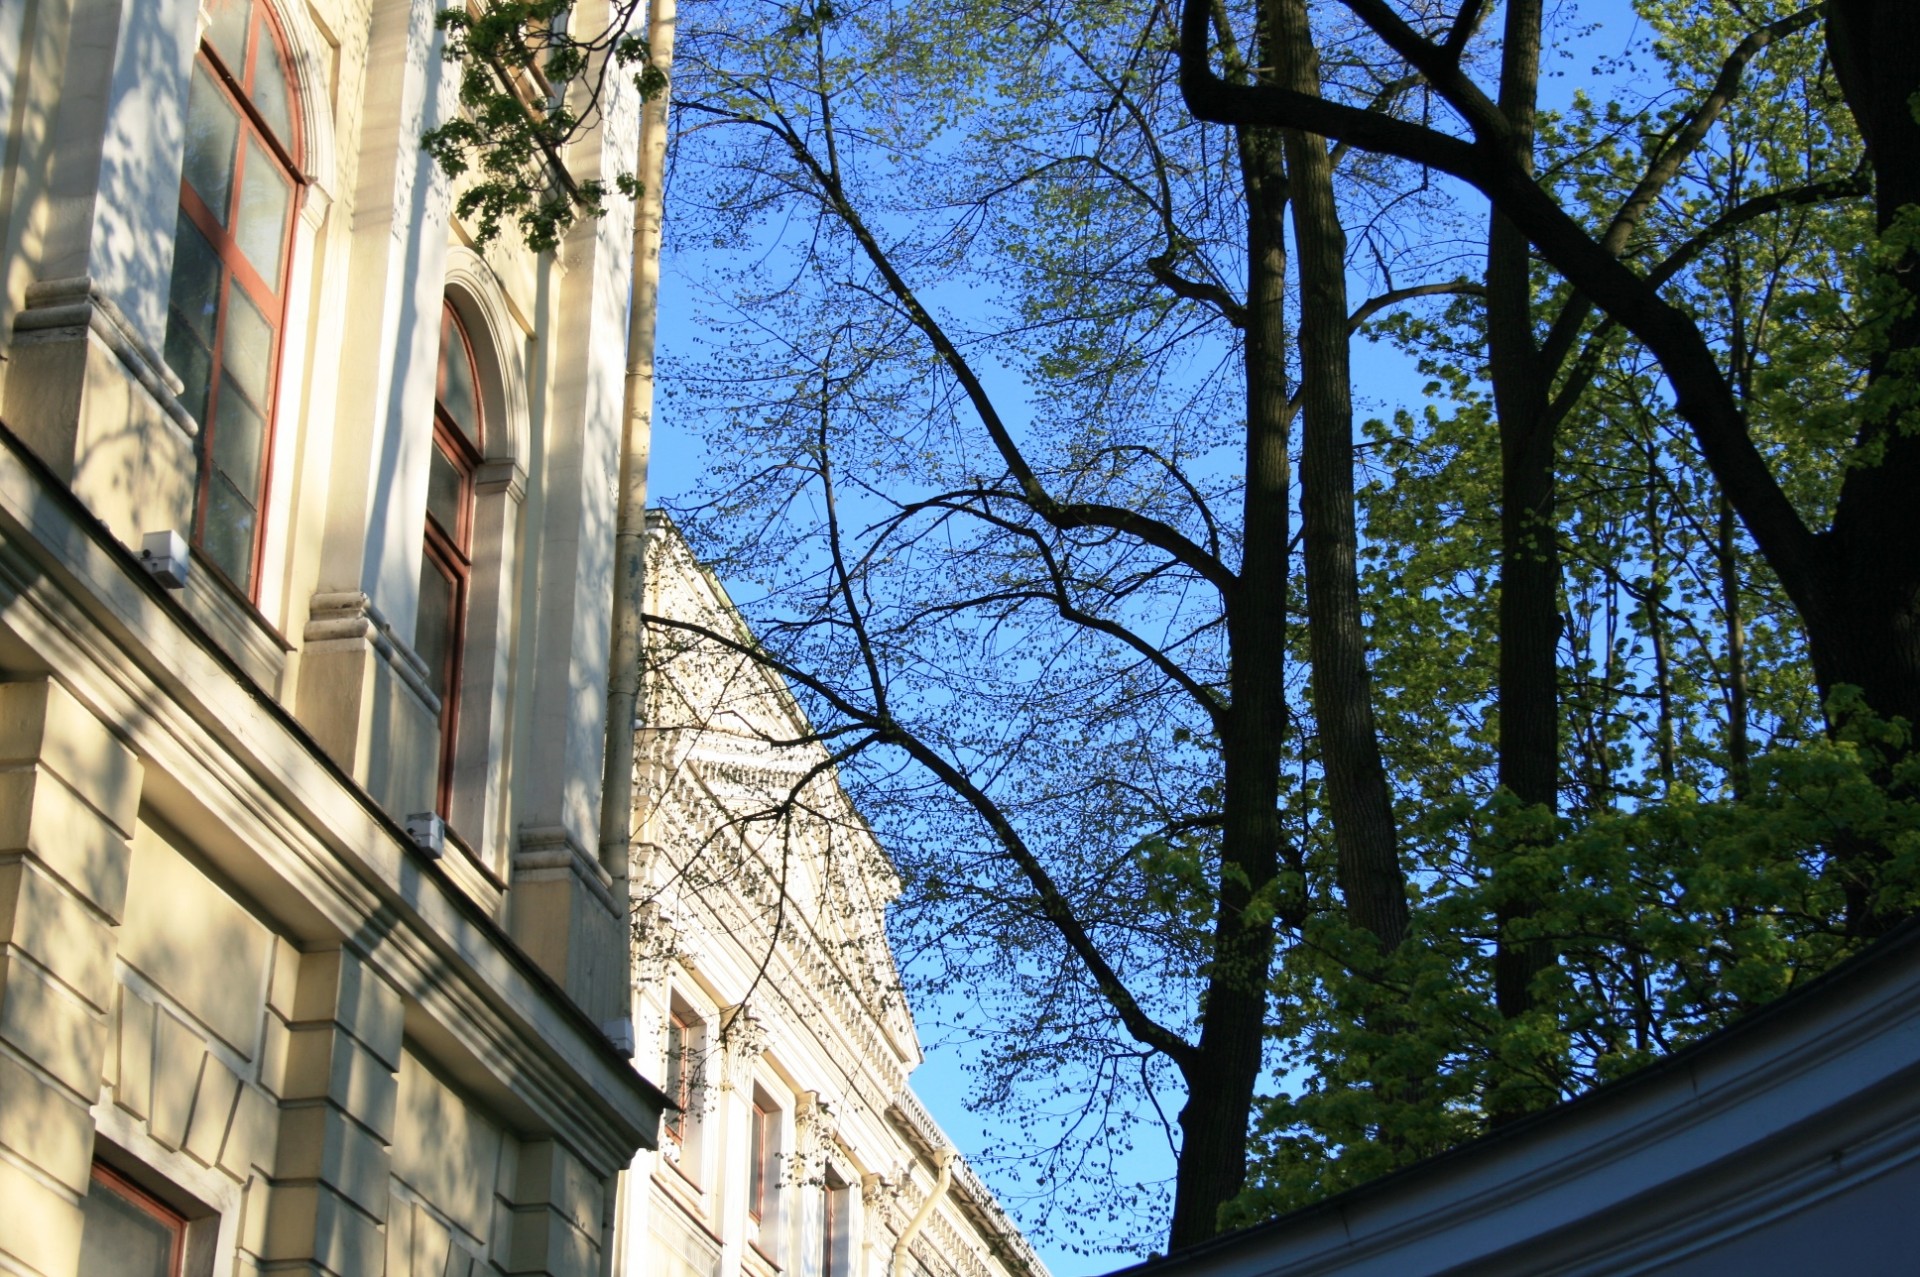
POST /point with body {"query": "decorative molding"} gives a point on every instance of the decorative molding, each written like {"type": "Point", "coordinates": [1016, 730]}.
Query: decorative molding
{"type": "Point", "coordinates": [815, 1132]}
{"type": "Point", "coordinates": [63, 309]}
{"type": "Point", "coordinates": [347, 619]}
{"type": "Point", "coordinates": [910, 1116]}
{"type": "Point", "coordinates": [500, 350]}
{"type": "Point", "coordinates": [822, 979]}
{"type": "Point", "coordinates": [863, 1010]}
{"type": "Point", "coordinates": [312, 52]}
{"type": "Point", "coordinates": [504, 475]}
{"type": "Point", "coordinates": [80, 603]}
{"type": "Point", "coordinates": [742, 1038]}
{"type": "Point", "coordinates": [880, 1195]}
{"type": "Point", "coordinates": [656, 943]}
{"type": "Point", "coordinates": [546, 851]}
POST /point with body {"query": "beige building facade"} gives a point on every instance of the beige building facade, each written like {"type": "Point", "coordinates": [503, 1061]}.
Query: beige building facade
{"type": "Point", "coordinates": [766, 996]}
{"type": "Point", "coordinates": [308, 959]}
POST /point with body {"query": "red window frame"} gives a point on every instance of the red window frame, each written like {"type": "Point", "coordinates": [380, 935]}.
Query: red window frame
{"type": "Point", "coordinates": [829, 1208]}
{"type": "Point", "coordinates": [173, 1221]}
{"type": "Point", "coordinates": [450, 550]}
{"type": "Point", "coordinates": [679, 1077]}
{"type": "Point", "coordinates": [235, 268]}
{"type": "Point", "coordinates": [759, 1151]}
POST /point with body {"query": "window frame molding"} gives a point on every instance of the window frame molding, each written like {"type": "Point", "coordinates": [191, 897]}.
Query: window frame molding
{"type": "Point", "coordinates": [838, 1194]}
{"type": "Point", "coordinates": [767, 1213]}
{"type": "Point", "coordinates": [102, 1175]}
{"type": "Point", "coordinates": [274, 299]}
{"type": "Point", "coordinates": [479, 792]}
{"type": "Point", "coordinates": [683, 1032]}
{"type": "Point", "coordinates": [210, 1201]}
{"type": "Point", "coordinates": [251, 625]}
{"type": "Point", "coordinates": [450, 550]}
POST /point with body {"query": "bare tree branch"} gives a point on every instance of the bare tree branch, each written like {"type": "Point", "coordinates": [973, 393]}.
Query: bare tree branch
{"type": "Point", "coordinates": [1053, 903]}
{"type": "Point", "coordinates": [1393, 297]}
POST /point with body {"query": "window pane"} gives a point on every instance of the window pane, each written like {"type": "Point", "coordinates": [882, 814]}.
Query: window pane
{"type": "Point", "coordinates": [194, 363]}
{"type": "Point", "coordinates": [433, 631]}
{"type": "Point", "coordinates": [247, 351]}
{"type": "Point", "coordinates": [213, 129]}
{"type": "Point", "coordinates": [272, 90]}
{"type": "Point", "coordinates": [118, 1239]}
{"type": "Point", "coordinates": [443, 494]}
{"type": "Point", "coordinates": [676, 1087]}
{"type": "Point", "coordinates": [265, 196]}
{"type": "Point", "coordinates": [227, 32]}
{"type": "Point", "coordinates": [195, 294]}
{"type": "Point", "coordinates": [459, 397]}
{"type": "Point", "coordinates": [757, 1163]}
{"type": "Point", "coordinates": [195, 291]}
{"type": "Point", "coordinates": [238, 441]}
{"type": "Point", "coordinates": [228, 537]}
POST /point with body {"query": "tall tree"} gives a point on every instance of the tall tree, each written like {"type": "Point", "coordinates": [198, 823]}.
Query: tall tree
{"type": "Point", "coordinates": [1107, 508]}
{"type": "Point", "coordinates": [1857, 585]}
{"type": "Point", "coordinates": [1358, 800]}
{"type": "Point", "coordinates": [1004, 406]}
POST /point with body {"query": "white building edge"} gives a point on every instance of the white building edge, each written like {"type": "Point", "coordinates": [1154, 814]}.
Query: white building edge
{"type": "Point", "coordinates": [766, 995]}
{"type": "Point", "coordinates": [1786, 1145]}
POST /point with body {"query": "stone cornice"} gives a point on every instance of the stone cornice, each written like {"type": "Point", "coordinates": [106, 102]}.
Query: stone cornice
{"type": "Point", "coordinates": [804, 1001]}
{"type": "Point", "coordinates": [1002, 1236]}
{"type": "Point", "coordinates": [808, 963]}
{"type": "Point", "coordinates": [226, 762]}
{"type": "Point", "coordinates": [675, 782]}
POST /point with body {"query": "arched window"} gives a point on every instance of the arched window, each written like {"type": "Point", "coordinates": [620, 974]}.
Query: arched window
{"type": "Point", "coordinates": [239, 187]}
{"type": "Point", "coordinates": [446, 560]}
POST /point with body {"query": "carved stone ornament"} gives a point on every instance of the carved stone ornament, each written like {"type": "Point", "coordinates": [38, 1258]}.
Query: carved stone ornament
{"type": "Point", "coordinates": [814, 1135]}
{"type": "Point", "coordinates": [742, 1039]}
{"type": "Point", "coordinates": [878, 1194]}
{"type": "Point", "coordinates": [656, 941]}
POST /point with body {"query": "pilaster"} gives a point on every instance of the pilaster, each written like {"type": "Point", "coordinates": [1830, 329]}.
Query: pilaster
{"type": "Point", "coordinates": [365, 696]}
{"type": "Point", "coordinates": [578, 455]}
{"type": "Point", "coordinates": [562, 911]}
{"type": "Point", "coordinates": [812, 1141]}
{"type": "Point", "coordinates": [383, 434]}
{"type": "Point", "coordinates": [68, 795]}
{"type": "Point", "coordinates": [89, 245]}
{"type": "Point", "coordinates": [878, 1222]}
{"type": "Point", "coordinates": [340, 1031]}
{"type": "Point", "coordinates": [558, 1207]}
{"type": "Point", "coordinates": [742, 1038]}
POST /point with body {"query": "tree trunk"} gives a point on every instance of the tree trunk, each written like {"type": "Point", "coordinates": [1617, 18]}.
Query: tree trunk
{"type": "Point", "coordinates": [1358, 797]}
{"type": "Point", "coordinates": [1727, 546]}
{"type": "Point", "coordinates": [1857, 586]}
{"type": "Point", "coordinates": [1739, 750]}
{"type": "Point", "coordinates": [1875, 542]}
{"type": "Point", "coordinates": [1529, 739]}
{"type": "Point", "coordinates": [1226, 1064]}
{"type": "Point", "coordinates": [1666, 746]}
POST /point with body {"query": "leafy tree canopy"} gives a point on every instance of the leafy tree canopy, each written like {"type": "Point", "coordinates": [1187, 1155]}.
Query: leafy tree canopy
{"type": "Point", "coordinates": [1363, 783]}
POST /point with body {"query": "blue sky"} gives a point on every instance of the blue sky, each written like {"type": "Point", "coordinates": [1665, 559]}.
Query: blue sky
{"type": "Point", "coordinates": [1383, 379]}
